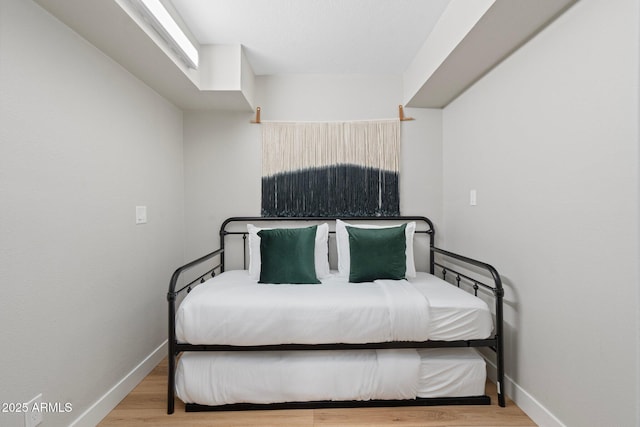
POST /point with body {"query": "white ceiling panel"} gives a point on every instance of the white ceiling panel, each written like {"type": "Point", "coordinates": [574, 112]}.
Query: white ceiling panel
{"type": "Point", "coordinates": [281, 37]}
{"type": "Point", "coordinates": [316, 36]}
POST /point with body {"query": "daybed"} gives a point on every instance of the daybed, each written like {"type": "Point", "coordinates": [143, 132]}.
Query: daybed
{"type": "Point", "coordinates": [287, 331]}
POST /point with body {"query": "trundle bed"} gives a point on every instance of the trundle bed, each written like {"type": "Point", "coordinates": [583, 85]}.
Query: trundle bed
{"type": "Point", "coordinates": [289, 331]}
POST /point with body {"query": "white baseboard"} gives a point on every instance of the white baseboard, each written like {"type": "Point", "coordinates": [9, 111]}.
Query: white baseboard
{"type": "Point", "coordinates": [529, 405]}
{"type": "Point", "coordinates": [101, 408]}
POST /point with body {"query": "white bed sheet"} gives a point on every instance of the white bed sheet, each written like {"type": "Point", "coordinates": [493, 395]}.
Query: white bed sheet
{"type": "Point", "coordinates": [236, 310]}
{"type": "Point", "coordinates": [451, 372]}
{"type": "Point", "coordinates": [455, 314]}
{"type": "Point", "coordinates": [218, 378]}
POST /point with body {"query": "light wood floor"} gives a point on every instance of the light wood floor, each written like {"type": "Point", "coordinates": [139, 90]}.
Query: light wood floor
{"type": "Point", "coordinates": [146, 405]}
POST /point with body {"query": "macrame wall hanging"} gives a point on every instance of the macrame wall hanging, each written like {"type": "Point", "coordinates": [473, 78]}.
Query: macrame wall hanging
{"type": "Point", "coordinates": [331, 169]}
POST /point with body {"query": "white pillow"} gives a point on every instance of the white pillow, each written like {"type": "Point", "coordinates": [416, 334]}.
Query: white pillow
{"type": "Point", "coordinates": [321, 251]}
{"type": "Point", "coordinates": [344, 257]}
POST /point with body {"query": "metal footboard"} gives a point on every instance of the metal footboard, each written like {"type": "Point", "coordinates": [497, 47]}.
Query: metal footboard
{"type": "Point", "coordinates": [498, 293]}
{"type": "Point", "coordinates": [171, 299]}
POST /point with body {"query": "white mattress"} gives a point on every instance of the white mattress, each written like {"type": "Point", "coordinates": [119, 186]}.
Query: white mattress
{"type": "Point", "coordinates": [234, 309]}
{"type": "Point", "coordinates": [218, 378]}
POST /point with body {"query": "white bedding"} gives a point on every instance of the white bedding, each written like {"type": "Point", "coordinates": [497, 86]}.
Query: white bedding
{"type": "Point", "coordinates": [233, 309]}
{"type": "Point", "coordinates": [454, 313]}
{"type": "Point", "coordinates": [451, 372]}
{"type": "Point", "coordinates": [218, 378]}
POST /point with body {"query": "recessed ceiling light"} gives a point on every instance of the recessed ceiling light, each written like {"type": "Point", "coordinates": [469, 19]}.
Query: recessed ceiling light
{"type": "Point", "coordinates": [156, 14]}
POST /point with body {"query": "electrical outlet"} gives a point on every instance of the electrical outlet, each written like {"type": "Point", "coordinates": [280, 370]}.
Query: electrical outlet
{"type": "Point", "coordinates": [33, 418]}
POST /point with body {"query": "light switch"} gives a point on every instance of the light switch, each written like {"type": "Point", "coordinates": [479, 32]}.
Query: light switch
{"type": "Point", "coordinates": [473, 197]}
{"type": "Point", "coordinates": [141, 214]}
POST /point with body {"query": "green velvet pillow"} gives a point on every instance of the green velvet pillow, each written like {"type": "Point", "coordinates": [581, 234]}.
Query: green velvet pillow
{"type": "Point", "coordinates": [377, 253]}
{"type": "Point", "coordinates": [287, 255]}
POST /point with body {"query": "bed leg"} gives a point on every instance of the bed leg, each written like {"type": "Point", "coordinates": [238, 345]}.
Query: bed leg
{"type": "Point", "coordinates": [171, 375]}
{"type": "Point", "coordinates": [171, 383]}
{"type": "Point", "coordinates": [500, 374]}
{"type": "Point", "coordinates": [500, 347]}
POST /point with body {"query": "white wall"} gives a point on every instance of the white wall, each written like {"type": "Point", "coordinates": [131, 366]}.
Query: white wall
{"type": "Point", "coordinates": [223, 150]}
{"type": "Point", "coordinates": [550, 141]}
{"type": "Point", "coordinates": [222, 174]}
{"type": "Point", "coordinates": [82, 142]}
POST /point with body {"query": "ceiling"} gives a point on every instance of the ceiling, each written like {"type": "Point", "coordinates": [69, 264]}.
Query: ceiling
{"type": "Point", "coordinates": [439, 47]}
{"type": "Point", "coordinates": [316, 36]}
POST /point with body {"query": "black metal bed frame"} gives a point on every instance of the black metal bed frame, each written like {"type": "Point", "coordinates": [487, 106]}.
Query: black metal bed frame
{"type": "Point", "coordinates": [495, 342]}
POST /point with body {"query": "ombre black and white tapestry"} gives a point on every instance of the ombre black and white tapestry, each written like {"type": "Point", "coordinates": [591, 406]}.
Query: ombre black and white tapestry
{"type": "Point", "coordinates": [331, 168]}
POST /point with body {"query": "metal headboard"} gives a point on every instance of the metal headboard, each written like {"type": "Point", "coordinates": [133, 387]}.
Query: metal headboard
{"type": "Point", "coordinates": [425, 228]}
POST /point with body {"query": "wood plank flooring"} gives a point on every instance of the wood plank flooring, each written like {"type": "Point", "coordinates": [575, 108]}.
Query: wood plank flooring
{"type": "Point", "coordinates": [146, 405]}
